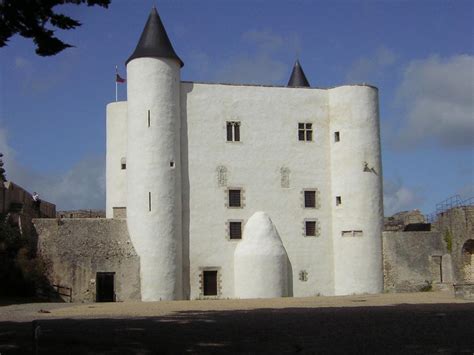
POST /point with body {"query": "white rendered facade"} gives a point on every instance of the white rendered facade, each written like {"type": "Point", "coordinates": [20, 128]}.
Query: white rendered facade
{"type": "Point", "coordinates": [180, 167]}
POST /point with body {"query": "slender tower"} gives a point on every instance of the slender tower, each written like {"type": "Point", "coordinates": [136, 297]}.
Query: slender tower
{"type": "Point", "coordinates": [153, 162]}
{"type": "Point", "coordinates": [356, 184]}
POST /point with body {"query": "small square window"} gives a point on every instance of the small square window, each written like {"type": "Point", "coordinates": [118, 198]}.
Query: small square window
{"type": "Point", "coordinates": [338, 200]}
{"type": "Point", "coordinates": [235, 230]}
{"type": "Point", "coordinates": [235, 199]}
{"type": "Point", "coordinates": [310, 228]}
{"type": "Point", "coordinates": [233, 131]}
{"type": "Point", "coordinates": [337, 137]}
{"type": "Point", "coordinates": [123, 166]}
{"type": "Point", "coordinates": [305, 132]}
{"type": "Point", "coordinates": [310, 199]}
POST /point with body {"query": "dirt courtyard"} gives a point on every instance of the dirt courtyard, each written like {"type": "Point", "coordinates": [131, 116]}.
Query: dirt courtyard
{"type": "Point", "coordinates": [430, 322]}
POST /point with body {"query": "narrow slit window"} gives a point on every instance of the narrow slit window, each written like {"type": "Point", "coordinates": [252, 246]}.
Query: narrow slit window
{"type": "Point", "coordinates": [338, 200]}
{"type": "Point", "coordinates": [337, 136]}
{"type": "Point", "coordinates": [149, 201]}
{"type": "Point", "coordinates": [148, 118]}
{"type": "Point", "coordinates": [235, 199]}
{"type": "Point", "coordinates": [310, 199]}
{"type": "Point", "coordinates": [235, 230]}
{"type": "Point", "coordinates": [233, 131]}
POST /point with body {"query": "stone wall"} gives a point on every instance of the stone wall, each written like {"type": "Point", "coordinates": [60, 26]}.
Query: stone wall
{"type": "Point", "coordinates": [12, 195]}
{"type": "Point", "coordinates": [456, 228]}
{"type": "Point", "coordinates": [413, 261]}
{"type": "Point", "coordinates": [76, 249]}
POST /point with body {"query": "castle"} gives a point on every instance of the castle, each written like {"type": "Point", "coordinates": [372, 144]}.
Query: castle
{"type": "Point", "coordinates": [189, 164]}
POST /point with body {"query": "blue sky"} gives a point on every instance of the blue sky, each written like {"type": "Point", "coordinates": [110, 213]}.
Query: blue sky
{"type": "Point", "coordinates": [420, 54]}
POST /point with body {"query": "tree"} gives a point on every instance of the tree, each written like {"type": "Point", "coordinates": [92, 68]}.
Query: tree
{"type": "Point", "coordinates": [2, 170]}
{"type": "Point", "coordinates": [29, 19]}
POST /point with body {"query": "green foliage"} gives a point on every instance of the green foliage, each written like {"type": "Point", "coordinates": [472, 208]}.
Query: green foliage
{"type": "Point", "coordinates": [21, 272]}
{"type": "Point", "coordinates": [29, 19]}
{"type": "Point", "coordinates": [428, 287]}
{"type": "Point", "coordinates": [448, 238]}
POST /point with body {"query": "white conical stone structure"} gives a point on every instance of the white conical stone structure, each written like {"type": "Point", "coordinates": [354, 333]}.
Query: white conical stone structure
{"type": "Point", "coordinates": [260, 261]}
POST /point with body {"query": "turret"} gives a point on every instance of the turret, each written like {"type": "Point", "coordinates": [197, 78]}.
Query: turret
{"type": "Point", "coordinates": [297, 77]}
{"type": "Point", "coordinates": [356, 189]}
{"type": "Point", "coordinates": [153, 162]}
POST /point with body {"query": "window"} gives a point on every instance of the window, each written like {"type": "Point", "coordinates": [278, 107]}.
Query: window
{"type": "Point", "coordinates": [235, 229]}
{"type": "Point", "coordinates": [353, 233]}
{"type": "Point", "coordinates": [233, 131]}
{"type": "Point", "coordinates": [148, 118]}
{"type": "Point", "coordinates": [310, 228]}
{"type": "Point", "coordinates": [305, 132]}
{"type": "Point", "coordinates": [235, 199]}
{"type": "Point", "coordinates": [149, 201]}
{"type": "Point", "coordinates": [337, 137]}
{"type": "Point", "coordinates": [303, 275]}
{"type": "Point", "coordinates": [123, 163]}
{"type": "Point", "coordinates": [338, 200]}
{"type": "Point", "coordinates": [310, 199]}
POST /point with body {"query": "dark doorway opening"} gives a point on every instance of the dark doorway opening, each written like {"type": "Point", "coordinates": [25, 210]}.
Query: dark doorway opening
{"type": "Point", "coordinates": [210, 282]}
{"type": "Point", "coordinates": [105, 291]}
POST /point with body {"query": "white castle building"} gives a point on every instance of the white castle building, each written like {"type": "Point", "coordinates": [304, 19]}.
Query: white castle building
{"type": "Point", "coordinates": [240, 191]}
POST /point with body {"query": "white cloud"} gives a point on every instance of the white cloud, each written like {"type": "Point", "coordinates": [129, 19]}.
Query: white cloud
{"type": "Point", "coordinates": [398, 197]}
{"type": "Point", "coordinates": [369, 69]}
{"type": "Point", "coordinates": [260, 65]}
{"type": "Point", "coordinates": [81, 187]}
{"type": "Point", "coordinates": [439, 98]}
{"type": "Point", "coordinates": [22, 63]}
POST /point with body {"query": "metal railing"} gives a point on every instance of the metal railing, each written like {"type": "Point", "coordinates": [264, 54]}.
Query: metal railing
{"type": "Point", "coordinates": [451, 202]}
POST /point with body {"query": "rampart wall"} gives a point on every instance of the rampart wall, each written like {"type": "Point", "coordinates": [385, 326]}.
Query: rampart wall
{"type": "Point", "coordinates": [75, 250]}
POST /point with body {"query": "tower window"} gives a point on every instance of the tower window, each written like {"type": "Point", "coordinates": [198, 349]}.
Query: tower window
{"type": "Point", "coordinates": [310, 228]}
{"type": "Point", "coordinates": [149, 201]}
{"type": "Point", "coordinates": [338, 200]}
{"type": "Point", "coordinates": [235, 229]}
{"type": "Point", "coordinates": [337, 137]}
{"type": "Point", "coordinates": [310, 199]}
{"type": "Point", "coordinates": [305, 132]}
{"type": "Point", "coordinates": [233, 131]}
{"type": "Point", "coordinates": [148, 118]}
{"type": "Point", "coordinates": [235, 198]}
{"type": "Point", "coordinates": [123, 163]}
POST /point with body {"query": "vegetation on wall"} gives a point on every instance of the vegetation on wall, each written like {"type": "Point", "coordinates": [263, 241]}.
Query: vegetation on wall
{"type": "Point", "coordinates": [21, 272]}
{"type": "Point", "coordinates": [448, 238]}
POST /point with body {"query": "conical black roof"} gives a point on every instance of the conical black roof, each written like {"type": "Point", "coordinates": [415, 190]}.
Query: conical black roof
{"type": "Point", "coordinates": [154, 41]}
{"type": "Point", "coordinates": [297, 78]}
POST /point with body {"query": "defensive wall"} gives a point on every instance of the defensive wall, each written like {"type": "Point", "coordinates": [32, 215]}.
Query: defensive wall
{"type": "Point", "coordinates": [415, 261]}
{"type": "Point", "coordinates": [75, 250]}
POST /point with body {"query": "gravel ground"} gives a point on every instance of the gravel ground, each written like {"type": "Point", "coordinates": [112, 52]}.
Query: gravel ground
{"type": "Point", "coordinates": [430, 322]}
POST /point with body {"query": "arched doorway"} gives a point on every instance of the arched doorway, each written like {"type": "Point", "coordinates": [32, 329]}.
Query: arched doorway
{"type": "Point", "coordinates": [468, 260]}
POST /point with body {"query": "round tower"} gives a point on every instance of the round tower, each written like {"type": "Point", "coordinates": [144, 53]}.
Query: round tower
{"type": "Point", "coordinates": [153, 162]}
{"type": "Point", "coordinates": [356, 188]}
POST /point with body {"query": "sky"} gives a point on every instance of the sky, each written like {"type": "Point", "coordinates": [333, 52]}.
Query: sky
{"type": "Point", "coordinates": [420, 54]}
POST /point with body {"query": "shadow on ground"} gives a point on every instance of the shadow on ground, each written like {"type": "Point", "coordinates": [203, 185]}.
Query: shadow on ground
{"type": "Point", "coordinates": [433, 328]}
